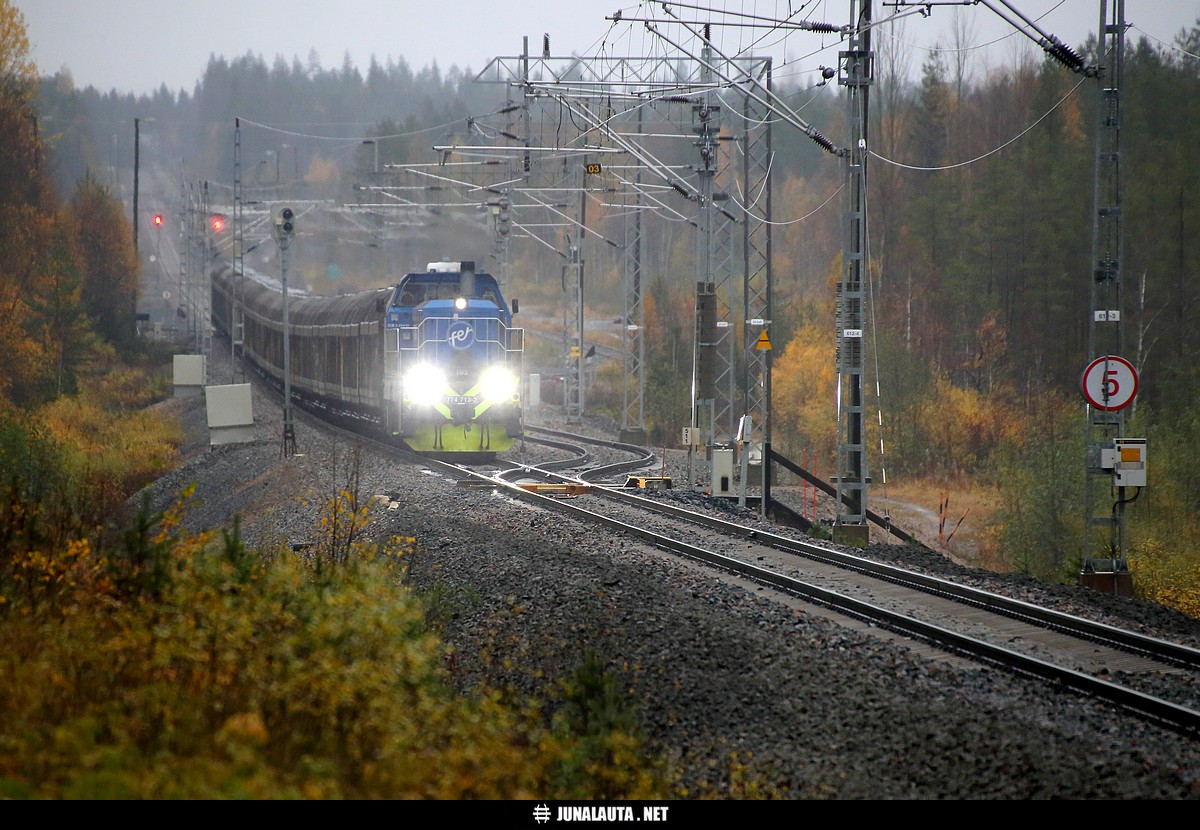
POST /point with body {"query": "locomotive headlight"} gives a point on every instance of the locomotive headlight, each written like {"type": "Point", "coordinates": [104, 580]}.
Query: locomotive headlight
{"type": "Point", "coordinates": [497, 384]}
{"type": "Point", "coordinates": [424, 384]}
{"type": "Point", "coordinates": [460, 303]}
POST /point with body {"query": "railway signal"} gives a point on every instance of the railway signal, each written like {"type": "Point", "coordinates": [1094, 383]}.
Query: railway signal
{"type": "Point", "coordinates": [157, 220]}
{"type": "Point", "coordinates": [285, 225]}
{"type": "Point", "coordinates": [501, 216]}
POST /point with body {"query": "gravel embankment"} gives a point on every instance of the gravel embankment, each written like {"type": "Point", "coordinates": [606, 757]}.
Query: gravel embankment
{"type": "Point", "coordinates": [716, 673]}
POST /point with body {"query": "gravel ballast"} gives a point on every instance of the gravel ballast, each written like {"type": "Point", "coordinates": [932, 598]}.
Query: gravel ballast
{"type": "Point", "coordinates": [721, 677]}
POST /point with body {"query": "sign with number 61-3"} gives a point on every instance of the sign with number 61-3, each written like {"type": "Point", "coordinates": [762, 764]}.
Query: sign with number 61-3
{"type": "Point", "coordinates": [1109, 383]}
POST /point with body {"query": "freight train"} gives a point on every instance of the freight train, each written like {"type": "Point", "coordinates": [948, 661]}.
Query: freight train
{"type": "Point", "coordinates": [432, 363]}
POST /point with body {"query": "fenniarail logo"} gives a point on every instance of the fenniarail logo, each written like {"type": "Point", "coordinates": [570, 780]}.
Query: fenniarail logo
{"type": "Point", "coordinates": [460, 334]}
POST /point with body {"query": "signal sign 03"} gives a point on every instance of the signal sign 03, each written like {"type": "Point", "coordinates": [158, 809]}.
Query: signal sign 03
{"type": "Point", "coordinates": [1109, 383]}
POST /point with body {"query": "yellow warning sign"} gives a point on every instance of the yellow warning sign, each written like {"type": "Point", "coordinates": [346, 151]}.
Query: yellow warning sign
{"type": "Point", "coordinates": [764, 343]}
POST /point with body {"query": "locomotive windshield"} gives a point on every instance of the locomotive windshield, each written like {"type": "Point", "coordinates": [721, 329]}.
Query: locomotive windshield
{"type": "Point", "coordinates": [415, 289]}
{"type": "Point", "coordinates": [420, 295]}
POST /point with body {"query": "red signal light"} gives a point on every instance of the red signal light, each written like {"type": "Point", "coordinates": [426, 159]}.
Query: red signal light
{"type": "Point", "coordinates": [218, 223]}
{"type": "Point", "coordinates": [158, 220]}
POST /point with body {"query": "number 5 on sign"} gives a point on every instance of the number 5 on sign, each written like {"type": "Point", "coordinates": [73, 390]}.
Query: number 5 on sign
{"type": "Point", "coordinates": [1109, 383]}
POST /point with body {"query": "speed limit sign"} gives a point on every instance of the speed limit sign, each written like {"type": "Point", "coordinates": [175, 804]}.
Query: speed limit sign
{"type": "Point", "coordinates": [1109, 383]}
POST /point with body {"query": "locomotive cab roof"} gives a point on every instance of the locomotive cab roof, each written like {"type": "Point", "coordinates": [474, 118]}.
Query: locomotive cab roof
{"type": "Point", "coordinates": [417, 288]}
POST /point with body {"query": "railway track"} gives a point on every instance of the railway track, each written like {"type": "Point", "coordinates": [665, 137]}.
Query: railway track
{"type": "Point", "coordinates": [820, 702]}
{"type": "Point", "coordinates": [934, 616]}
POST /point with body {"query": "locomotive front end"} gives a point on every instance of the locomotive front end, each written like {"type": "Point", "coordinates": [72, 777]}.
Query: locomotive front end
{"type": "Point", "coordinates": [454, 377]}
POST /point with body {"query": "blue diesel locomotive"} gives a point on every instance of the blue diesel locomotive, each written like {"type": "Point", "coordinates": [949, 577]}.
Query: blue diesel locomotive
{"type": "Point", "coordinates": [432, 363]}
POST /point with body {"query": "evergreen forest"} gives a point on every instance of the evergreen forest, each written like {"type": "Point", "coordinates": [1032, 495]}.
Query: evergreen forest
{"type": "Point", "coordinates": [981, 198]}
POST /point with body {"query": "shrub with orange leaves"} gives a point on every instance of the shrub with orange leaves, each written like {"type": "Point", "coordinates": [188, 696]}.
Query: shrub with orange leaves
{"type": "Point", "coordinates": [1168, 575]}
{"type": "Point", "coordinates": [234, 675]}
{"type": "Point", "coordinates": [166, 665]}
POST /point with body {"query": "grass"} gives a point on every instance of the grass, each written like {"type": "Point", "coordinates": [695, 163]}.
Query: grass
{"type": "Point", "coordinates": [949, 517]}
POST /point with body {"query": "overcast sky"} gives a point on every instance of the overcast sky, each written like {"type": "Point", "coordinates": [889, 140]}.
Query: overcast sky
{"type": "Point", "coordinates": [138, 45]}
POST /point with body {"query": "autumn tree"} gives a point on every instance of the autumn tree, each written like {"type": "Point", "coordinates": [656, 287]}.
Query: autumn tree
{"type": "Point", "coordinates": [20, 152]}
{"type": "Point", "coordinates": [26, 217]}
{"type": "Point", "coordinates": [670, 324]}
{"type": "Point", "coordinates": [26, 366]}
{"type": "Point", "coordinates": [111, 271]}
{"type": "Point", "coordinates": [59, 330]}
{"type": "Point", "coordinates": [803, 410]}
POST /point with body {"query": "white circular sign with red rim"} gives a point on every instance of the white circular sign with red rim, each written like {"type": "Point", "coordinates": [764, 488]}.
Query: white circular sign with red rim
{"type": "Point", "coordinates": [1109, 383]}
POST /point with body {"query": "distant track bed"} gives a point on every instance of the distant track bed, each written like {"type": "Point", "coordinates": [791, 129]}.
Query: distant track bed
{"type": "Point", "coordinates": [1065, 650]}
